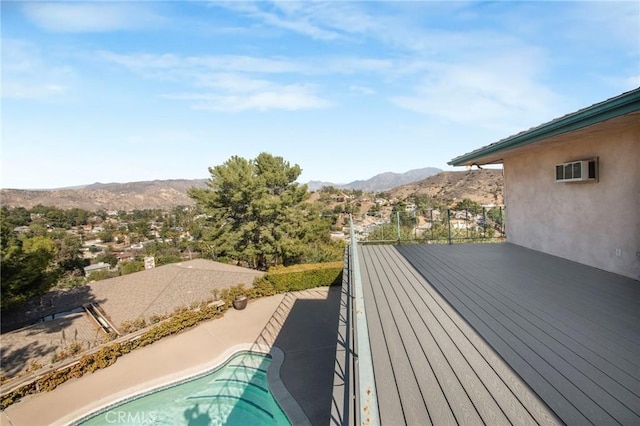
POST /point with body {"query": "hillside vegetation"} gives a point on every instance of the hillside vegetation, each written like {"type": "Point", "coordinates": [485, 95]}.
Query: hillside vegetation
{"type": "Point", "coordinates": [157, 194]}
{"type": "Point", "coordinates": [483, 186]}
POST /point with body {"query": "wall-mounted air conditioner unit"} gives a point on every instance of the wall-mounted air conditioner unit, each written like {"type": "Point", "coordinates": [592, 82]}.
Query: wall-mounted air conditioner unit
{"type": "Point", "coordinates": [578, 171]}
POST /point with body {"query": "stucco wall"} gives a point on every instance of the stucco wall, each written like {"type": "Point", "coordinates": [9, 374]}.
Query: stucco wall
{"type": "Point", "coordinates": [597, 224]}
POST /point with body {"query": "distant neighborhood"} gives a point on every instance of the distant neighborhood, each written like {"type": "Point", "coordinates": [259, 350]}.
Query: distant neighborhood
{"type": "Point", "coordinates": [49, 246]}
{"type": "Point", "coordinates": [116, 241]}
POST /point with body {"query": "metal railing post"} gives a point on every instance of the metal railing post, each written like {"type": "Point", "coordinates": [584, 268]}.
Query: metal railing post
{"type": "Point", "coordinates": [431, 215]}
{"type": "Point", "coordinates": [449, 223]}
{"type": "Point", "coordinates": [466, 221]}
{"type": "Point", "coordinates": [484, 223]}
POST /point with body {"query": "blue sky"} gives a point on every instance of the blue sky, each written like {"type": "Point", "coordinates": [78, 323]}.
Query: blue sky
{"type": "Point", "coordinates": [128, 91]}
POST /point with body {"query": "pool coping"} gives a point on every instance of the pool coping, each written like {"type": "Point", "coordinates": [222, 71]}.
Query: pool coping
{"type": "Point", "coordinates": [287, 402]}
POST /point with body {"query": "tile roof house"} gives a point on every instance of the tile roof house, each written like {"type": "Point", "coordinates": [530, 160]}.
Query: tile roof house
{"type": "Point", "coordinates": [573, 185]}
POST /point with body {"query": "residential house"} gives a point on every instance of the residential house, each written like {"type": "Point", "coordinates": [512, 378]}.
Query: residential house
{"type": "Point", "coordinates": [572, 185]}
{"type": "Point", "coordinates": [102, 266]}
{"type": "Point", "coordinates": [410, 207]}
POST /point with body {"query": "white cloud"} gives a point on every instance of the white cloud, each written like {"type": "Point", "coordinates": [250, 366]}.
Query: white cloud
{"type": "Point", "coordinates": [238, 83]}
{"type": "Point", "coordinates": [497, 93]}
{"type": "Point", "coordinates": [228, 82]}
{"type": "Point", "coordinates": [411, 26]}
{"type": "Point", "coordinates": [293, 16]}
{"type": "Point", "coordinates": [278, 97]}
{"type": "Point", "coordinates": [90, 16]}
{"type": "Point", "coordinates": [617, 22]}
{"type": "Point", "coordinates": [152, 63]}
{"type": "Point", "coordinates": [28, 90]}
{"type": "Point", "coordinates": [27, 73]}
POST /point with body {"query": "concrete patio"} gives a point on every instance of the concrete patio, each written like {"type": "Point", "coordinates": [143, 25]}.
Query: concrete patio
{"type": "Point", "coordinates": [302, 324]}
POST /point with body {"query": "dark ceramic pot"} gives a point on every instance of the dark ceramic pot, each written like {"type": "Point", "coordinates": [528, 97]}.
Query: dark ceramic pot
{"type": "Point", "coordinates": [240, 302]}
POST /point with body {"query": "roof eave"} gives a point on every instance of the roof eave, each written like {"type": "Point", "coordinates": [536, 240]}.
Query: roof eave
{"type": "Point", "coordinates": [615, 107]}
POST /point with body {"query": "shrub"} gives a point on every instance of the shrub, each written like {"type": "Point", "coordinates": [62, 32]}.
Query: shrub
{"type": "Point", "coordinates": [59, 356]}
{"type": "Point", "coordinates": [33, 366]}
{"type": "Point", "coordinates": [75, 348]}
{"type": "Point", "coordinates": [154, 319]}
{"type": "Point", "coordinates": [302, 277]}
{"type": "Point", "coordinates": [228, 295]}
{"type": "Point", "coordinates": [261, 288]}
{"type": "Point", "coordinates": [132, 266]}
{"type": "Point", "coordinates": [133, 325]}
{"type": "Point", "coordinates": [102, 275]}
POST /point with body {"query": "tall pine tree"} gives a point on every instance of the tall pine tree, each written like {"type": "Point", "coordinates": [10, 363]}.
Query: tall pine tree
{"type": "Point", "coordinates": [256, 210]}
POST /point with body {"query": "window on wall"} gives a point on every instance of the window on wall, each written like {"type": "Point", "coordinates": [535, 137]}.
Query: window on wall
{"type": "Point", "coordinates": [578, 171]}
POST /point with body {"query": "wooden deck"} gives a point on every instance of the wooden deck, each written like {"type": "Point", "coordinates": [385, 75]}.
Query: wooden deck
{"type": "Point", "coordinates": [498, 334]}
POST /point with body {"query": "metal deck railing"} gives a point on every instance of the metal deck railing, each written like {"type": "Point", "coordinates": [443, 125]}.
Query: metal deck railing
{"type": "Point", "coordinates": [366, 395]}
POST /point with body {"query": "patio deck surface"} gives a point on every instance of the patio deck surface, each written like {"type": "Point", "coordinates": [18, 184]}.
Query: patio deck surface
{"type": "Point", "coordinates": [499, 334]}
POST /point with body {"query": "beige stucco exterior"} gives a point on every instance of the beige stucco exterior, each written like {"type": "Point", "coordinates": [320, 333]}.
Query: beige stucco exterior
{"type": "Point", "coordinates": [594, 223]}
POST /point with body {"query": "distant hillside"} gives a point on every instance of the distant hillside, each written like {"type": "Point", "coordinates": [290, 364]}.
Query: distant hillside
{"type": "Point", "coordinates": [315, 185]}
{"type": "Point", "coordinates": [160, 194]}
{"type": "Point", "coordinates": [484, 186]}
{"type": "Point", "coordinates": [380, 182]}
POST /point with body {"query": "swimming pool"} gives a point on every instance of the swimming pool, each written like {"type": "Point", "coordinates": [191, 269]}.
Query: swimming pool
{"type": "Point", "coordinates": [236, 393]}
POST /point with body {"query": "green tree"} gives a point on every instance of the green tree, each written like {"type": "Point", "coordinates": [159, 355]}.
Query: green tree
{"type": "Point", "coordinates": [141, 227]}
{"type": "Point", "coordinates": [18, 216]}
{"type": "Point", "coordinates": [256, 210]}
{"type": "Point", "coordinates": [27, 266]}
{"type": "Point", "coordinates": [496, 215]}
{"type": "Point", "coordinates": [69, 256]}
{"type": "Point", "coordinates": [389, 231]}
{"type": "Point", "coordinates": [407, 219]}
{"type": "Point", "coordinates": [108, 257]}
{"type": "Point", "coordinates": [106, 236]}
{"type": "Point", "coordinates": [132, 266]}
{"type": "Point", "coordinates": [57, 218]}
{"type": "Point", "coordinates": [76, 216]}
{"type": "Point", "coordinates": [472, 207]}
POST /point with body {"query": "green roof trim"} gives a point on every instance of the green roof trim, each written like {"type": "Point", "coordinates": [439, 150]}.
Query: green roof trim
{"type": "Point", "coordinates": [618, 106]}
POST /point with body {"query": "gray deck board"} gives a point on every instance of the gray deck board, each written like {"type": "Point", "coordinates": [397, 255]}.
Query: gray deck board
{"type": "Point", "coordinates": [521, 339]}
{"type": "Point", "coordinates": [570, 331]}
{"type": "Point", "coordinates": [385, 377]}
{"type": "Point", "coordinates": [434, 403]}
{"type": "Point", "coordinates": [430, 366]}
{"type": "Point", "coordinates": [408, 389]}
{"type": "Point", "coordinates": [552, 333]}
{"type": "Point", "coordinates": [445, 362]}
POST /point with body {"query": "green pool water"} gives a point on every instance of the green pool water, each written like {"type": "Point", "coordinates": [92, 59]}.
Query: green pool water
{"type": "Point", "coordinates": [236, 393]}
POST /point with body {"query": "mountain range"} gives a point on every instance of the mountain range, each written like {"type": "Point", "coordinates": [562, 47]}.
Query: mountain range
{"type": "Point", "coordinates": [480, 185]}
{"type": "Point", "coordinates": [380, 182]}
{"type": "Point", "coordinates": [156, 194]}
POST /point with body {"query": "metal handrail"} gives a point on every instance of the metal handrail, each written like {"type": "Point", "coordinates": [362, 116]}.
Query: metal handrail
{"type": "Point", "coordinates": [367, 397]}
